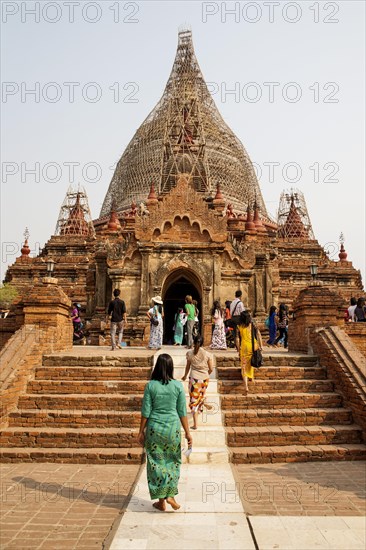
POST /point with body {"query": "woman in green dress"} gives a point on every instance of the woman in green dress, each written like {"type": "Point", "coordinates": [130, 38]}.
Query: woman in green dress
{"type": "Point", "coordinates": [163, 411]}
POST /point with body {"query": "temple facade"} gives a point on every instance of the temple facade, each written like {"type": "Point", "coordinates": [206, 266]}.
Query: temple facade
{"type": "Point", "coordinates": [183, 214]}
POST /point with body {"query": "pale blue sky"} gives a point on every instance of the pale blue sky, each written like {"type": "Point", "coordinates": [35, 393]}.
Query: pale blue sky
{"type": "Point", "coordinates": [231, 54]}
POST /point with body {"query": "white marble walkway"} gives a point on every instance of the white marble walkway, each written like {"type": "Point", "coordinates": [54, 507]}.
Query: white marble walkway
{"type": "Point", "coordinates": [211, 514]}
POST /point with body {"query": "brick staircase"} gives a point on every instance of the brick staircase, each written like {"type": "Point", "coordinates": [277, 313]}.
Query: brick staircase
{"type": "Point", "coordinates": [291, 413]}
{"type": "Point", "coordinates": [79, 409]}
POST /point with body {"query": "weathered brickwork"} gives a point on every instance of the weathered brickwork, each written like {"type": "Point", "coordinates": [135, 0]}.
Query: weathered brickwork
{"type": "Point", "coordinates": [318, 326]}
{"type": "Point", "coordinates": [79, 409]}
{"type": "Point", "coordinates": [357, 333]}
{"type": "Point", "coordinates": [46, 328]}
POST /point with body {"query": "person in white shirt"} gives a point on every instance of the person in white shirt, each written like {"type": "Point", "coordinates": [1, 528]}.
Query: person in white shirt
{"type": "Point", "coordinates": [351, 310]}
{"type": "Point", "coordinates": [237, 306]}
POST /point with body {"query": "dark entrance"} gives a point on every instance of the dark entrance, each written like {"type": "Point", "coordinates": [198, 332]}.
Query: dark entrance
{"type": "Point", "coordinates": [173, 299]}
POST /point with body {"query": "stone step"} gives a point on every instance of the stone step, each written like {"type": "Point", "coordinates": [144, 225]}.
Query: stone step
{"type": "Point", "coordinates": [69, 402]}
{"type": "Point", "coordinates": [229, 387]}
{"type": "Point", "coordinates": [208, 436]}
{"type": "Point", "coordinates": [281, 400]}
{"type": "Point", "coordinates": [118, 359]}
{"type": "Point", "coordinates": [74, 419]}
{"type": "Point", "coordinates": [179, 372]}
{"type": "Point", "coordinates": [276, 373]}
{"type": "Point", "coordinates": [204, 437]}
{"type": "Point", "coordinates": [230, 360]}
{"type": "Point", "coordinates": [124, 387]}
{"type": "Point", "coordinates": [95, 386]}
{"type": "Point", "coordinates": [79, 418]}
{"type": "Point", "coordinates": [69, 437]}
{"type": "Point", "coordinates": [93, 373]}
{"type": "Point", "coordinates": [293, 435]}
{"type": "Point", "coordinates": [268, 417]}
{"type": "Point", "coordinates": [297, 453]}
{"type": "Point", "coordinates": [289, 360]}
{"type": "Point", "coordinates": [207, 455]}
{"type": "Point", "coordinates": [74, 456]}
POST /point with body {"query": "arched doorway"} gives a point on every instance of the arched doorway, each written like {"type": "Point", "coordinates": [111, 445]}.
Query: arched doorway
{"type": "Point", "coordinates": [176, 287]}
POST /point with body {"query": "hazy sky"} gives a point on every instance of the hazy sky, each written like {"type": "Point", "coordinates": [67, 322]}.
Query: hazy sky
{"type": "Point", "coordinates": [295, 71]}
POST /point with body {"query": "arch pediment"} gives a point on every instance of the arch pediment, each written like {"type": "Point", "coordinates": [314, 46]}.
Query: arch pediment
{"type": "Point", "coordinates": [181, 216]}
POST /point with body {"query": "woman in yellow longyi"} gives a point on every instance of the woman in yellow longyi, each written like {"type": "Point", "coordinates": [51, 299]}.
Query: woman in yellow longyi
{"type": "Point", "coordinates": [245, 347]}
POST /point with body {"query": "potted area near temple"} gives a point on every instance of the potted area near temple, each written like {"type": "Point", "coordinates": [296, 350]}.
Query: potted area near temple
{"type": "Point", "coordinates": [8, 293]}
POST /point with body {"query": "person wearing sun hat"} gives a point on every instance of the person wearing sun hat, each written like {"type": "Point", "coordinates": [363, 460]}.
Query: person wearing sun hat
{"type": "Point", "coordinates": [155, 315]}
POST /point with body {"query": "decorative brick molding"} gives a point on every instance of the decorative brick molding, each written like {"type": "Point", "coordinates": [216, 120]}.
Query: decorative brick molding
{"type": "Point", "coordinates": [47, 328]}
{"type": "Point", "coordinates": [357, 333]}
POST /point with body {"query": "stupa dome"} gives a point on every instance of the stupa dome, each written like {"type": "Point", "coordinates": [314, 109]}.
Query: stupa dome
{"type": "Point", "coordinates": [184, 133]}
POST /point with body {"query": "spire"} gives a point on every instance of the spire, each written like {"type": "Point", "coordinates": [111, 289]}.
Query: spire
{"type": "Point", "coordinates": [25, 250]}
{"type": "Point", "coordinates": [75, 218]}
{"type": "Point", "coordinates": [219, 201]}
{"type": "Point", "coordinates": [293, 218]}
{"type": "Point", "coordinates": [342, 253]}
{"type": "Point", "coordinates": [76, 224]}
{"type": "Point", "coordinates": [257, 219]}
{"type": "Point", "coordinates": [249, 224]}
{"type": "Point", "coordinates": [184, 134]}
{"type": "Point", "coordinates": [152, 199]}
{"type": "Point", "coordinates": [218, 195]}
{"type": "Point", "coordinates": [113, 223]}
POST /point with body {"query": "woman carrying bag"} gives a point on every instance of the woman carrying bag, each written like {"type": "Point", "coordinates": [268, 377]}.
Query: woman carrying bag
{"type": "Point", "coordinates": [248, 340]}
{"type": "Point", "coordinates": [156, 314]}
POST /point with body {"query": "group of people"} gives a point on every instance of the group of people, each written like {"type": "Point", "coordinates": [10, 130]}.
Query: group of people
{"type": "Point", "coordinates": [186, 322]}
{"type": "Point", "coordinates": [356, 313]}
{"type": "Point", "coordinates": [277, 324]}
{"type": "Point", "coordinates": [163, 413]}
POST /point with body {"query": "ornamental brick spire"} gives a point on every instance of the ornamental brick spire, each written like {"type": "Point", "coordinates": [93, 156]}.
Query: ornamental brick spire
{"type": "Point", "coordinates": [293, 218]}
{"type": "Point", "coordinates": [342, 253]}
{"type": "Point", "coordinates": [113, 223]}
{"type": "Point", "coordinates": [75, 218]}
{"type": "Point", "coordinates": [25, 250]}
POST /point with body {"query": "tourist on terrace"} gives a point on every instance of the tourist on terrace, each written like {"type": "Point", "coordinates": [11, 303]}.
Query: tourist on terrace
{"type": "Point", "coordinates": [180, 320]}
{"type": "Point", "coordinates": [282, 326]}
{"type": "Point", "coordinates": [245, 347]}
{"type": "Point", "coordinates": [272, 325]}
{"type": "Point", "coordinates": [351, 310]}
{"type": "Point", "coordinates": [190, 310]}
{"type": "Point", "coordinates": [156, 314]}
{"type": "Point", "coordinates": [117, 310]}
{"type": "Point", "coordinates": [218, 334]}
{"type": "Point", "coordinates": [75, 317]}
{"type": "Point", "coordinates": [196, 326]}
{"type": "Point", "coordinates": [163, 411]}
{"type": "Point", "coordinates": [236, 306]}
{"type": "Point", "coordinates": [360, 311]}
{"type": "Point", "coordinates": [199, 367]}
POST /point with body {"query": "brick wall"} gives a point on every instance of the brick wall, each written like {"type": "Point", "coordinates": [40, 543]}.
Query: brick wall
{"type": "Point", "coordinates": [357, 333]}
{"type": "Point", "coordinates": [318, 327]}
{"type": "Point", "coordinates": [11, 323]}
{"type": "Point", "coordinates": [47, 328]}
{"type": "Point", "coordinates": [315, 306]}
{"type": "Point", "coordinates": [346, 366]}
